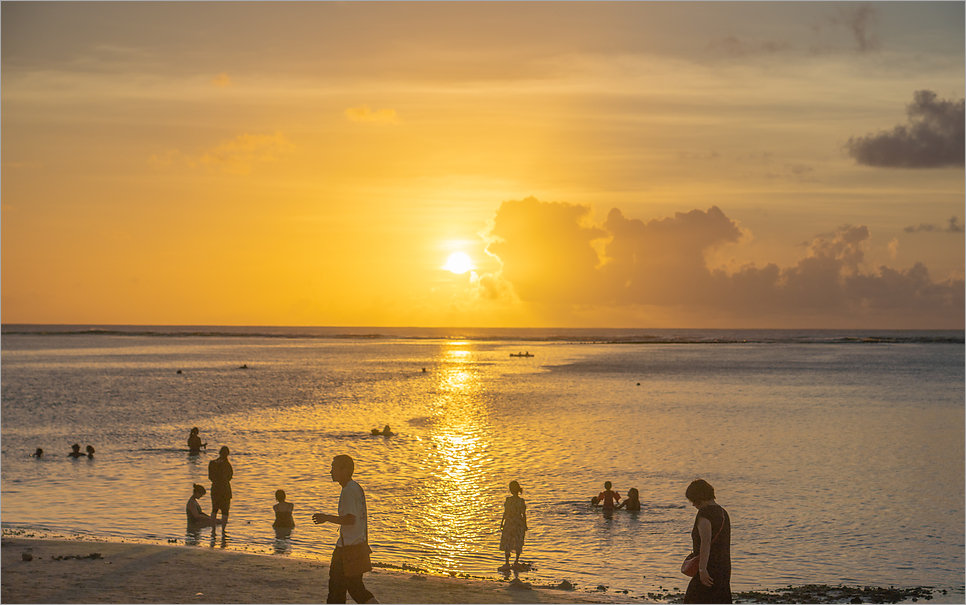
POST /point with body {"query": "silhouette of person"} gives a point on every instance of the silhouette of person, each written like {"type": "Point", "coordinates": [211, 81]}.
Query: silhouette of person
{"type": "Point", "coordinates": [608, 497]}
{"type": "Point", "coordinates": [76, 453]}
{"type": "Point", "coordinates": [513, 526]}
{"type": "Point", "coordinates": [633, 502]}
{"type": "Point", "coordinates": [353, 537]}
{"type": "Point", "coordinates": [711, 542]}
{"type": "Point", "coordinates": [39, 453]}
{"type": "Point", "coordinates": [90, 451]}
{"type": "Point", "coordinates": [220, 474]}
{"type": "Point", "coordinates": [192, 509]}
{"type": "Point", "coordinates": [194, 443]}
{"type": "Point", "coordinates": [283, 512]}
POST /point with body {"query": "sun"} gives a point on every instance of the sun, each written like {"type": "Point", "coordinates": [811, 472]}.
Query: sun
{"type": "Point", "coordinates": [458, 263]}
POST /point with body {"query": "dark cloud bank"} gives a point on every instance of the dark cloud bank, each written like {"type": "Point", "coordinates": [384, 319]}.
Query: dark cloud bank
{"type": "Point", "coordinates": [934, 138]}
{"type": "Point", "coordinates": [953, 226]}
{"type": "Point", "coordinates": [552, 254]}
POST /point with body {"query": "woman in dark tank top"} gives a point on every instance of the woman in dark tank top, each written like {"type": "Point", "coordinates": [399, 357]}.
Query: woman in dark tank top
{"type": "Point", "coordinates": [711, 540]}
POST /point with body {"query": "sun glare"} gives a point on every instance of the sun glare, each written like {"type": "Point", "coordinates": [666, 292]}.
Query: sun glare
{"type": "Point", "coordinates": [458, 263]}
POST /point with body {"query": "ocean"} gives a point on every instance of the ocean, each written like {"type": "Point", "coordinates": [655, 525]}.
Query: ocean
{"type": "Point", "coordinates": [838, 454]}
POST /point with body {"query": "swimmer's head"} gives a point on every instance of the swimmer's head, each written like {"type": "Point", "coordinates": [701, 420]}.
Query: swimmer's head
{"type": "Point", "coordinates": [75, 447]}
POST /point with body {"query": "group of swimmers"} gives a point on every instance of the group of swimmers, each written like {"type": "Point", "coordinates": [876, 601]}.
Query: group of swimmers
{"type": "Point", "coordinates": [609, 499]}
{"type": "Point", "coordinates": [75, 452]}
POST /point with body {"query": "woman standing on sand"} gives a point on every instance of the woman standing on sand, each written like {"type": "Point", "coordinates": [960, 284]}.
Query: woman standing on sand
{"type": "Point", "coordinates": [513, 524]}
{"type": "Point", "coordinates": [711, 539]}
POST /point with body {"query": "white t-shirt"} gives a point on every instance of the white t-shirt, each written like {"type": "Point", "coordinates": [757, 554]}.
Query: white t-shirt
{"type": "Point", "coordinates": [352, 501]}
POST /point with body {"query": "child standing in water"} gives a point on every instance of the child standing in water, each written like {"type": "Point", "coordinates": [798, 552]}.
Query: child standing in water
{"type": "Point", "coordinates": [608, 497]}
{"type": "Point", "coordinates": [283, 512]}
{"type": "Point", "coordinates": [514, 524]}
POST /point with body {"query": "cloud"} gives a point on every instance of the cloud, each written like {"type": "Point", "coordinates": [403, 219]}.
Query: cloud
{"type": "Point", "coordinates": [222, 80]}
{"type": "Point", "coordinates": [241, 153]}
{"type": "Point", "coordinates": [860, 20]}
{"type": "Point", "coordinates": [735, 47]}
{"type": "Point", "coordinates": [365, 114]}
{"type": "Point", "coordinates": [554, 254]}
{"type": "Point", "coordinates": [953, 226]}
{"type": "Point", "coordinates": [934, 137]}
{"type": "Point", "coordinates": [893, 248]}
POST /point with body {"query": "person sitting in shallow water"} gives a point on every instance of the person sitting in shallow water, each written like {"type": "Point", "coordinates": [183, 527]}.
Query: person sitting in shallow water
{"type": "Point", "coordinates": [192, 509]}
{"type": "Point", "coordinates": [90, 451]}
{"type": "Point", "coordinates": [633, 502]}
{"type": "Point", "coordinates": [283, 512]}
{"type": "Point", "coordinates": [76, 453]}
{"type": "Point", "coordinates": [385, 432]}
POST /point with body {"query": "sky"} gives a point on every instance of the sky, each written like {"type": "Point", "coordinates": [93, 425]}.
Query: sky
{"type": "Point", "coordinates": [678, 165]}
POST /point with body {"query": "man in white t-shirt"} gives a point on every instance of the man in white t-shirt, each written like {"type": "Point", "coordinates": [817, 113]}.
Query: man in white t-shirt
{"type": "Point", "coordinates": [353, 530]}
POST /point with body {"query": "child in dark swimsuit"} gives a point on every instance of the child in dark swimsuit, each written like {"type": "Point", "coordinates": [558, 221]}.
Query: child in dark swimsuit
{"type": "Point", "coordinates": [283, 512]}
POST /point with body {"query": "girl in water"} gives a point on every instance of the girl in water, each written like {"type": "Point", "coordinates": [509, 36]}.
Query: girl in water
{"type": "Point", "coordinates": [192, 509]}
{"type": "Point", "coordinates": [283, 512]}
{"type": "Point", "coordinates": [633, 501]}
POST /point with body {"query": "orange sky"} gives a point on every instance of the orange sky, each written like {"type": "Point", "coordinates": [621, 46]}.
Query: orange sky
{"type": "Point", "coordinates": [601, 164]}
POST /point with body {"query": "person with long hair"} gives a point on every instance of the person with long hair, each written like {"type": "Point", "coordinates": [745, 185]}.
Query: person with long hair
{"type": "Point", "coordinates": [513, 524]}
{"type": "Point", "coordinates": [711, 541]}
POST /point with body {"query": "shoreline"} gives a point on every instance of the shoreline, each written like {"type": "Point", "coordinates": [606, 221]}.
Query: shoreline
{"type": "Point", "coordinates": [87, 571]}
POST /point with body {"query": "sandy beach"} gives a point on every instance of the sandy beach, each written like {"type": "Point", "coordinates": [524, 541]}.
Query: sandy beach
{"type": "Point", "coordinates": [65, 572]}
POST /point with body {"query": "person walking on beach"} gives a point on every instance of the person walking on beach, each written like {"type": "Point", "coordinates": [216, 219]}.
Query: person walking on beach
{"type": "Point", "coordinates": [350, 559]}
{"type": "Point", "coordinates": [608, 497]}
{"type": "Point", "coordinates": [220, 474]}
{"type": "Point", "coordinates": [194, 443]}
{"type": "Point", "coordinates": [711, 540]}
{"type": "Point", "coordinates": [283, 512]}
{"type": "Point", "coordinates": [513, 525]}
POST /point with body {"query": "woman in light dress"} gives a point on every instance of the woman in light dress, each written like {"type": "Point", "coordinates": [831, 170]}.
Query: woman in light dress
{"type": "Point", "coordinates": [513, 525]}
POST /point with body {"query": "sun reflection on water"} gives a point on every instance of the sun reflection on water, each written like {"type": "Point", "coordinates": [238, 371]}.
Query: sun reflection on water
{"type": "Point", "coordinates": [461, 439]}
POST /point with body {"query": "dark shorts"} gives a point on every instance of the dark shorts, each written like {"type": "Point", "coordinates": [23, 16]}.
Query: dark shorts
{"type": "Point", "coordinates": [220, 501]}
{"type": "Point", "coordinates": [339, 583]}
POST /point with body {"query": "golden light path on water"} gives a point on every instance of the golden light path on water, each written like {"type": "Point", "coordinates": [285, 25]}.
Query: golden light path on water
{"type": "Point", "coordinates": [460, 439]}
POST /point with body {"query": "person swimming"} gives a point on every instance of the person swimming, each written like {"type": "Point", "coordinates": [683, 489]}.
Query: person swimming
{"type": "Point", "coordinates": [75, 453]}
{"type": "Point", "coordinates": [39, 453]}
{"type": "Point", "coordinates": [90, 451]}
{"type": "Point", "coordinates": [385, 432]}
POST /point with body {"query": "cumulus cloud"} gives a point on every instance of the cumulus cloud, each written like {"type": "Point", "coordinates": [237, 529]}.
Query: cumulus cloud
{"type": "Point", "coordinates": [554, 254]}
{"type": "Point", "coordinates": [365, 114]}
{"type": "Point", "coordinates": [222, 80]}
{"type": "Point", "coordinates": [238, 155]}
{"type": "Point", "coordinates": [933, 138]}
{"type": "Point", "coordinates": [952, 226]}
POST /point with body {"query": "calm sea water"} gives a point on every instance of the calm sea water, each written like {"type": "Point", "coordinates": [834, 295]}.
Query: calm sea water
{"type": "Point", "coordinates": [840, 456]}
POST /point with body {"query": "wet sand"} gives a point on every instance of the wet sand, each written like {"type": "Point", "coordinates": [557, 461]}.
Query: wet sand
{"type": "Point", "coordinates": [66, 572]}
